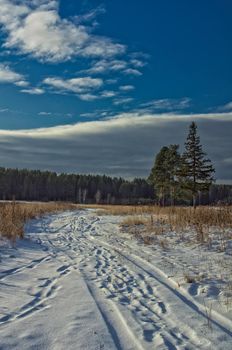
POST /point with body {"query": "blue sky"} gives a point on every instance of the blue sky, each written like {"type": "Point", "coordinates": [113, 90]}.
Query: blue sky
{"type": "Point", "coordinates": [75, 76]}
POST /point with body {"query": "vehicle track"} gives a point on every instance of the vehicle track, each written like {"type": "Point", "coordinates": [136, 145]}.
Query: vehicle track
{"type": "Point", "coordinates": [141, 307]}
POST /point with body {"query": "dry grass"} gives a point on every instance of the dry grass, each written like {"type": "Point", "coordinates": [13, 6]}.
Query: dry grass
{"type": "Point", "coordinates": [215, 216]}
{"type": "Point", "coordinates": [179, 219]}
{"type": "Point", "coordinates": [189, 279]}
{"type": "Point", "coordinates": [172, 229]}
{"type": "Point", "coordinates": [13, 216]}
{"type": "Point", "coordinates": [135, 220]}
{"type": "Point", "coordinates": [155, 220]}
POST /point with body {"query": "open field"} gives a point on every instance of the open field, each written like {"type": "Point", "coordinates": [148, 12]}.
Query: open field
{"type": "Point", "coordinates": [195, 246]}
{"type": "Point", "coordinates": [133, 280]}
{"type": "Point", "coordinates": [179, 219]}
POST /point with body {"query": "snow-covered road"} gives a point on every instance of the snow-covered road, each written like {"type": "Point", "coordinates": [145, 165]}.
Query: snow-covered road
{"type": "Point", "coordinates": [76, 282]}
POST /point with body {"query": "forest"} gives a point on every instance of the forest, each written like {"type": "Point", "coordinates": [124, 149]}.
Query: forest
{"type": "Point", "coordinates": [36, 185]}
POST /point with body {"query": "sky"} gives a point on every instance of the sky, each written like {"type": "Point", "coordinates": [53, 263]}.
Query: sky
{"type": "Point", "coordinates": [94, 86]}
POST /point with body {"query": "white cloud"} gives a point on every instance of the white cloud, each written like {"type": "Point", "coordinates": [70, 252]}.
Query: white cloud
{"type": "Point", "coordinates": [226, 108]}
{"type": "Point", "coordinates": [168, 104]}
{"type": "Point", "coordinates": [88, 115]}
{"type": "Point", "coordinates": [44, 113]}
{"type": "Point", "coordinates": [36, 28]}
{"type": "Point", "coordinates": [75, 85]}
{"type": "Point", "coordinates": [108, 94]}
{"type": "Point", "coordinates": [132, 71]}
{"type": "Point", "coordinates": [84, 87]}
{"type": "Point", "coordinates": [113, 65]}
{"type": "Point", "coordinates": [126, 87]}
{"type": "Point", "coordinates": [88, 97]}
{"type": "Point", "coordinates": [111, 81]}
{"type": "Point", "coordinates": [104, 66]}
{"type": "Point", "coordinates": [22, 83]}
{"type": "Point", "coordinates": [138, 63]}
{"type": "Point", "coordinates": [7, 75]}
{"type": "Point", "coordinates": [33, 91]}
{"type": "Point", "coordinates": [11, 14]}
{"type": "Point", "coordinates": [91, 15]}
{"type": "Point", "coordinates": [122, 101]}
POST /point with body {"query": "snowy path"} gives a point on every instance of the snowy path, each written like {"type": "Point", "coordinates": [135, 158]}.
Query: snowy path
{"type": "Point", "coordinates": [76, 283]}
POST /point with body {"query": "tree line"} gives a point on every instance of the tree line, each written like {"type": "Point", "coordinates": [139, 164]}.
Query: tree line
{"type": "Point", "coordinates": [36, 185]}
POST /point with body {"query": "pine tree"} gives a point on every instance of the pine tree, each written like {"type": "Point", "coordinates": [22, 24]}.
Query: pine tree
{"type": "Point", "coordinates": [197, 171]}
{"type": "Point", "coordinates": [164, 173]}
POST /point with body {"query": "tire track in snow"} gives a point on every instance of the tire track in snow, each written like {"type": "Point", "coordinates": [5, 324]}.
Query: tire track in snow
{"type": "Point", "coordinates": [124, 288]}
{"type": "Point", "coordinates": [40, 299]}
{"type": "Point", "coordinates": [134, 298]}
{"type": "Point", "coordinates": [133, 292]}
{"type": "Point", "coordinates": [174, 332]}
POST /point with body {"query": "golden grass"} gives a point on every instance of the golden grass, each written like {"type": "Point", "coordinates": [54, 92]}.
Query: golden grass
{"type": "Point", "coordinates": [14, 215]}
{"type": "Point", "coordinates": [158, 220]}
{"type": "Point", "coordinates": [176, 217]}
{"type": "Point", "coordinates": [135, 220]}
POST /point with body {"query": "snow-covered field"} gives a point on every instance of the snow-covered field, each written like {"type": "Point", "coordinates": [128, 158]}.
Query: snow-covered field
{"type": "Point", "coordinates": [78, 282]}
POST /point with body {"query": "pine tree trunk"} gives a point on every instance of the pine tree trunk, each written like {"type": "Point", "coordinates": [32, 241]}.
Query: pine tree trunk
{"type": "Point", "coordinates": [75, 193]}
{"type": "Point", "coordinates": [173, 197]}
{"type": "Point", "coordinates": [194, 200]}
{"type": "Point", "coordinates": [163, 198]}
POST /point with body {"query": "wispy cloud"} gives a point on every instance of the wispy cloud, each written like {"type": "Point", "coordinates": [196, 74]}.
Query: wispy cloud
{"type": "Point", "coordinates": [44, 113]}
{"type": "Point", "coordinates": [104, 66]}
{"type": "Point", "coordinates": [167, 105]}
{"type": "Point", "coordinates": [83, 87]}
{"type": "Point", "coordinates": [90, 16]}
{"type": "Point", "coordinates": [80, 85]}
{"type": "Point", "coordinates": [126, 87]}
{"type": "Point", "coordinates": [108, 94]}
{"type": "Point", "coordinates": [22, 83]}
{"type": "Point", "coordinates": [225, 108]}
{"type": "Point", "coordinates": [7, 75]}
{"type": "Point", "coordinates": [132, 71]}
{"type": "Point", "coordinates": [138, 63]}
{"type": "Point", "coordinates": [36, 28]}
{"type": "Point", "coordinates": [33, 91]}
{"type": "Point", "coordinates": [88, 97]}
{"type": "Point", "coordinates": [128, 67]}
{"type": "Point", "coordinates": [97, 113]}
{"type": "Point", "coordinates": [122, 101]}
{"type": "Point", "coordinates": [3, 110]}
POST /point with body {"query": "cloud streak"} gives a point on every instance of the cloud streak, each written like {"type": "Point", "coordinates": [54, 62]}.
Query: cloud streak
{"type": "Point", "coordinates": [33, 91]}
{"type": "Point", "coordinates": [81, 85]}
{"type": "Point", "coordinates": [225, 108]}
{"type": "Point", "coordinates": [168, 104]}
{"type": "Point", "coordinates": [122, 145]}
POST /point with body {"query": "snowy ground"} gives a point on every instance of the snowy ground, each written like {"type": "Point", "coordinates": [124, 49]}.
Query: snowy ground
{"type": "Point", "coordinates": [78, 282]}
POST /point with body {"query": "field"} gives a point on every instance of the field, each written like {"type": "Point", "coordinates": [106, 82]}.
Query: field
{"type": "Point", "coordinates": [14, 215]}
{"type": "Point", "coordinates": [117, 277]}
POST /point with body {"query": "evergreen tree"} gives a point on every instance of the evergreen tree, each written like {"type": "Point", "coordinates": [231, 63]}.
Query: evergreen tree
{"type": "Point", "coordinates": [197, 171]}
{"type": "Point", "coordinates": [164, 173]}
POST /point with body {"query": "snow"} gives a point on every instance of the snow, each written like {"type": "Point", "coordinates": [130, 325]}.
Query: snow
{"type": "Point", "coordinates": [77, 281]}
